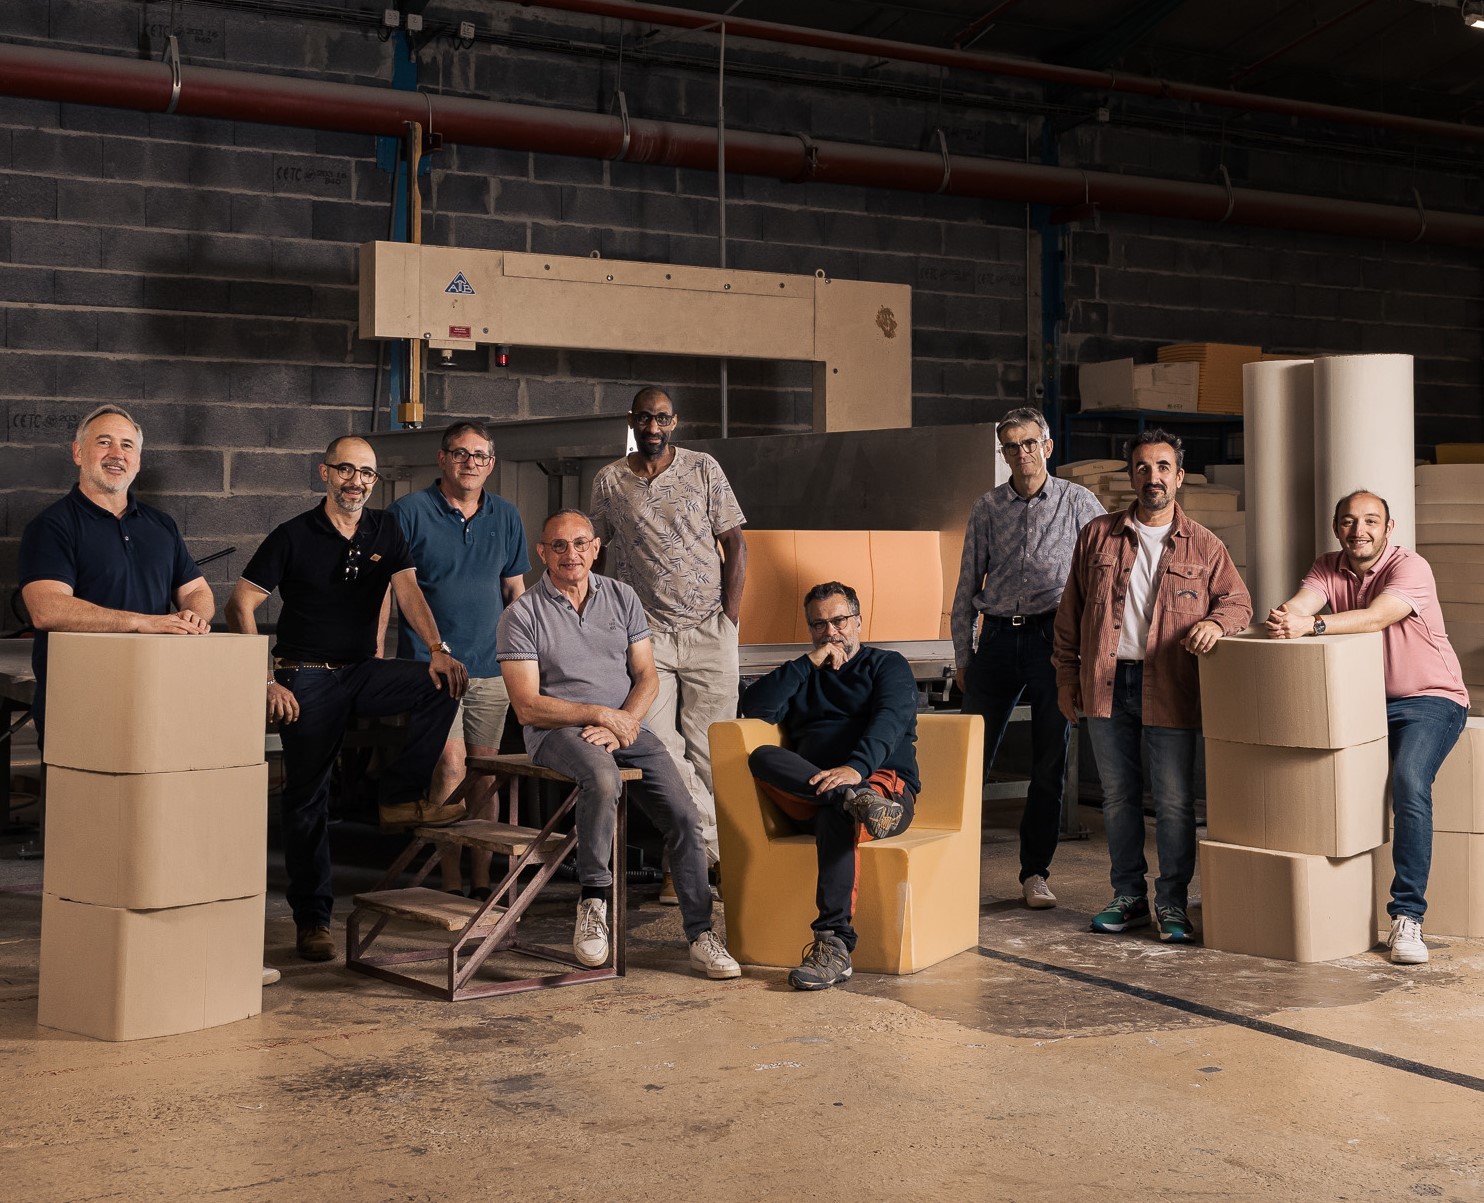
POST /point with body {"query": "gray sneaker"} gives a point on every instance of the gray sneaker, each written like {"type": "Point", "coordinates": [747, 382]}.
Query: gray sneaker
{"type": "Point", "coordinates": [1405, 942]}
{"type": "Point", "coordinates": [877, 814]}
{"type": "Point", "coordinates": [826, 964]}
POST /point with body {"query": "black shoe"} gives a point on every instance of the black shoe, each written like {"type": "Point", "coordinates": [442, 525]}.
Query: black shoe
{"type": "Point", "coordinates": [879, 815]}
{"type": "Point", "coordinates": [826, 964]}
{"type": "Point", "coordinates": [315, 944]}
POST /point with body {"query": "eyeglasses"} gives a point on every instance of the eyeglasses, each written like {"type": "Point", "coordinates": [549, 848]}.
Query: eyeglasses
{"type": "Point", "coordinates": [477, 458]}
{"type": "Point", "coordinates": [640, 420]}
{"type": "Point", "coordinates": [346, 471]}
{"type": "Point", "coordinates": [560, 545]}
{"type": "Point", "coordinates": [839, 622]}
{"type": "Point", "coordinates": [350, 566]}
{"type": "Point", "coordinates": [1024, 447]}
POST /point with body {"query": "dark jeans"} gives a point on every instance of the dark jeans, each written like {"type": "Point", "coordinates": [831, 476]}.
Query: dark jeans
{"type": "Point", "coordinates": [1420, 731]}
{"type": "Point", "coordinates": [1010, 663]}
{"type": "Point", "coordinates": [835, 833]}
{"type": "Point", "coordinates": [1117, 743]}
{"type": "Point", "coordinates": [328, 700]}
{"type": "Point", "coordinates": [661, 793]}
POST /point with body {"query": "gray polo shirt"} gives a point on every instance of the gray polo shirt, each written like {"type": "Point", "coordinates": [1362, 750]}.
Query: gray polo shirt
{"type": "Point", "coordinates": [583, 657]}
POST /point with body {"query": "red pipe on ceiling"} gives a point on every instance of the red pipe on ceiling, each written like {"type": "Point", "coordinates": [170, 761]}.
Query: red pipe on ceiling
{"type": "Point", "coordinates": [1019, 68]}
{"type": "Point", "coordinates": [111, 81]}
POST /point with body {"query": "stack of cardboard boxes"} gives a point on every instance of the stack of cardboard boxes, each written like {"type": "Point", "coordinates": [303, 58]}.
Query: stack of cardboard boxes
{"type": "Point", "coordinates": [1108, 478]}
{"type": "Point", "coordinates": [1220, 388]}
{"type": "Point", "coordinates": [1296, 768]}
{"type": "Point", "coordinates": [1450, 537]}
{"type": "Point", "coordinates": [152, 917]}
{"type": "Point", "coordinates": [1455, 887]}
{"type": "Point", "coordinates": [1232, 529]}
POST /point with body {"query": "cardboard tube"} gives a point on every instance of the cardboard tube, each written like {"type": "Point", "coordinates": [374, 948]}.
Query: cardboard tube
{"type": "Point", "coordinates": [1279, 407]}
{"type": "Point", "coordinates": [1364, 439]}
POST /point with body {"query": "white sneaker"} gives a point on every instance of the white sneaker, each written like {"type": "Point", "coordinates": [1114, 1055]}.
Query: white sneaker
{"type": "Point", "coordinates": [709, 955]}
{"type": "Point", "coordinates": [1038, 895]}
{"type": "Point", "coordinates": [1405, 942]}
{"type": "Point", "coordinates": [590, 937]}
{"type": "Point", "coordinates": [270, 975]}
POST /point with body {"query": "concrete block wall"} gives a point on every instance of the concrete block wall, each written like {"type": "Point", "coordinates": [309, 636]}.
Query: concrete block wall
{"type": "Point", "coordinates": [203, 273]}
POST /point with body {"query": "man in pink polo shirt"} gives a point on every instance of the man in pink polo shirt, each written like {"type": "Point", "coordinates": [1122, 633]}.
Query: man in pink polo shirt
{"type": "Point", "coordinates": [1372, 585]}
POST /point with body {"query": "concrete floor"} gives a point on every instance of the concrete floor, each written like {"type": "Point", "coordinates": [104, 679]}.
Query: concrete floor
{"type": "Point", "coordinates": [1047, 1064]}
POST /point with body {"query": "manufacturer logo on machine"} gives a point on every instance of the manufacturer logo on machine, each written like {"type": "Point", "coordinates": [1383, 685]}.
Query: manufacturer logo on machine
{"type": "Point", "coordinates": [460, 285]}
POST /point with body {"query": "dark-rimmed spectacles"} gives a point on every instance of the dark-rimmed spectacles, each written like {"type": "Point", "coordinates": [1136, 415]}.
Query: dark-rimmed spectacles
{"type": "Point", "coordinates": [348, 471]}
{"type": "Point", "coordinates": [640, 420]}
{"type": "Point", "coordinates": [839, 622]}
{"type": "Point", "coordinates": [478, 458]}
{"type": "Point", "coordinates": [1024, 447]}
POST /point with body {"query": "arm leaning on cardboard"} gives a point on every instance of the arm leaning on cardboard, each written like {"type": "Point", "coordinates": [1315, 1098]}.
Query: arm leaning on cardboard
{"type": "Point", "coordinates": [53, 607]}
{"type": "Point", "coordinates": [1295, 618]}
{"type": "Point", "coordinates": [241, 612]}
{"type": "Point", "coordinates": [1231, 604]}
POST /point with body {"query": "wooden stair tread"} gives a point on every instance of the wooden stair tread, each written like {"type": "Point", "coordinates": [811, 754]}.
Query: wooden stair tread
{"type": "Point", "coordinates": [433, 908]}
{"type": "Point", "coordinates": [521, 766]}
{"type": "Point", "coordinates": [490, 836]}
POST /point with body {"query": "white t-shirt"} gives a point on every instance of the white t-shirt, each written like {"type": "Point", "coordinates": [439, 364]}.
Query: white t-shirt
{"type": "Point", "coordinates": [1138, 606]}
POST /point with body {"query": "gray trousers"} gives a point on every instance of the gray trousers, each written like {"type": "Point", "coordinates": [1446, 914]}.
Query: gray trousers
{"type": "Point", "coordinates": [663, 797]}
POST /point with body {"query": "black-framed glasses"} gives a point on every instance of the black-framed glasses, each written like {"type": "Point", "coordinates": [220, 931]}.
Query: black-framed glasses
{"type": "Point", "coordinates": [839, 622]}
{"type": "Point", "coordinates": [560, 545]}
{"type": "Point", "coordinates": [347, 471]}
{"type": "Point", "coordinates": [478, 458]}
{"type": "Point", "coordinates": [640, 420]}
{"type": "Point", "coordinates": [1024, 447]}
{"type": "Point", "coordinates": [350, 564]}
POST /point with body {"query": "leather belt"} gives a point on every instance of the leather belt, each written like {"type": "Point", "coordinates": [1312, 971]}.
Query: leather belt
{"type": "Point", "coordinates": [289, 664]}
{"type": "Point", "coordinates": [1018, 620]}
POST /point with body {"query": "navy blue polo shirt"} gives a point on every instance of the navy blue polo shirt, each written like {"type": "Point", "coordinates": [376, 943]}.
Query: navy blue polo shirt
{"type": "Point", "coordinates": [134, 562]}
{"type": "Point", "coordinates": [326, 617]}
{"type": "Point", "coordinates": [460, 564]}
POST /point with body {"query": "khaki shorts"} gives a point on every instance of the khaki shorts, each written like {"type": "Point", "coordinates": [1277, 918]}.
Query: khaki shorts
{"type": "Point", "coordinates": [481, 715]}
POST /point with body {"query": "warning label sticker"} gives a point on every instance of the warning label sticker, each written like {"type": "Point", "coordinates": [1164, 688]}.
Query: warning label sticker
{"type": "Point", "coordinates": [460, 285]}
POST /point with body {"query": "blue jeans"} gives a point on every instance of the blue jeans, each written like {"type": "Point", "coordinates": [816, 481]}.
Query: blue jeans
{"type": "Point", "coordinates": [1420, 732]}
{"type": "Point", "coordinates": [328, 699]}
{"type": "Point", "coordinates": [1116, 743]}
{"type": "Point", "coordinates": [1011, 663]}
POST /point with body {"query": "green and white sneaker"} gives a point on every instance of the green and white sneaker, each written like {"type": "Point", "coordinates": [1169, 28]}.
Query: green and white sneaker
{"type": "Point", "coordinates": [1122, 913]}
{"type": "Point", "coordinates": [1174, 925]}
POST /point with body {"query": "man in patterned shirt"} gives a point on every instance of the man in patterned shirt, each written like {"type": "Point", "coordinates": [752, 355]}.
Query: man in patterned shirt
{"type": "Point", "coordinates": [661, 513]}
{"type": "Point", "coordinates": [1017, 553]}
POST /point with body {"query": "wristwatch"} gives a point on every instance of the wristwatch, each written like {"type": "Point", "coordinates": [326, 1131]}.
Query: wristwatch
{"type": "Point", "coordinates": [1318, 626]}
{"type": "Point", "coordinates": [443, 647]}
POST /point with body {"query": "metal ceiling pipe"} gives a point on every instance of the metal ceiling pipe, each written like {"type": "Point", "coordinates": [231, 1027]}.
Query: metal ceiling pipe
{"type": "Point", "coordinates": [1003, 64]}
{"type": "Point", "coordinates": [109, 81]}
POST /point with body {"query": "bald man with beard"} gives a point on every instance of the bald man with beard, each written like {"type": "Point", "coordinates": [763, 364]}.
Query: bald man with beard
{"type": "Point", "coordinates": [331, 566]}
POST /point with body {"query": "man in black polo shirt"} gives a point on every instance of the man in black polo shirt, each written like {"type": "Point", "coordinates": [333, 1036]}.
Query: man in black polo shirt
{"type": "Point", "coordinates": [98, 560]}
{"type": "Point", "coordinates": [331, 566]}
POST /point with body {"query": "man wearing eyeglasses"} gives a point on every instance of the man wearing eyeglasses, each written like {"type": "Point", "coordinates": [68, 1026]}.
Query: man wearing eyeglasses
{"type": "Point", "coordinates": [331, 566]}
{"type": "Point", "coordinates": [577, 659]}
{"type": "Point", "coordinates": [1017, 553]}
{"type": "Point", "coordinates": [672, 530]}
{"type": "Point", "coordinates": [850, 770]}
{"type": "Point", "coordinates": [470, 552]}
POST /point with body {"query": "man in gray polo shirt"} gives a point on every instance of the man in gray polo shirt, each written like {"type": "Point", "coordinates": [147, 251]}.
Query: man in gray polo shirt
{"type": "Point", "coordinates": [578, 664]}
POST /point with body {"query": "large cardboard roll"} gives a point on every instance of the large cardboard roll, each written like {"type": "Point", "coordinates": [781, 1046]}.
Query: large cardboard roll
{"type": "Point", "coordinates": [1364, 439]}
{"type": "Point", "coordinates": [1279, 399]}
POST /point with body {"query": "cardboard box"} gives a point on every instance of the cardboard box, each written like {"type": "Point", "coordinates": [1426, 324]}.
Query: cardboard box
{"type": "Point", "coordinates": [1220, 371]}
{"type": "Point", "coordinates": [1460, 453]}
{"type": "Point", "coordinates": [1430, 513]}
{"type": "Point", "coordinates": [1436, 552]}
{"type": "Point", "coordinates": [1450, 483]}
{"type": "Point", "coordinates": [1286, 905]}
{"type": "Point", "coordinates": [144, 841]}
{"type": "Point", "coordinates": [1318, 692]}
{"type": "Point", "coordinates": [1455, 885]}
{"type": "Point", "coordinates": [1078, 470]}
{"type": "Point", "coordinates": [1458, 789]}
{"type": "Point", "coordinates": [1207, 497]}
{"type": "Point", "coordinates": [1298, 799]}
{"type": "Point", "coordinates": [1218, 522]}
{"type": "Point", "coordinates": [155, 703]}
{"type": "Point", "coordinates": [118, 974]}
{"type": "Point", "coordinates": [1465, 593]}
{"type": "Point", "coordinates": [1123, 384]}
{"type": "Point", "coordinates": [1458, 572]}
{"type": "Point", "coordinates": [1449, 532]}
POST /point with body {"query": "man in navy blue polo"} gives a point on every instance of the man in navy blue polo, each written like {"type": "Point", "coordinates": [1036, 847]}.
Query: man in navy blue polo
{"type": "Point", "coordinates": [331, 566]}
{"type": "Point", "coordinates": [470, 552]}
{"type": "Point", "coordinates": [98, 560]}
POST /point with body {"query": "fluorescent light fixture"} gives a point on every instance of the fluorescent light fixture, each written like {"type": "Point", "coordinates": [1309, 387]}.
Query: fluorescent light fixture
{"type": "Point", "coordinates": [1473, 13]}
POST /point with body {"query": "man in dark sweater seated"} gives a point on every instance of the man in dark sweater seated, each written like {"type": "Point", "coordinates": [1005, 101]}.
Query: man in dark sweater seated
{"type": "Point", "coordinates": [850, 716]}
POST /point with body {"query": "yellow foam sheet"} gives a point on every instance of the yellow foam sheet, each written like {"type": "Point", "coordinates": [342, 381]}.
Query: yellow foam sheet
{"type": "Point", "coordinates": [907, 584]}
{"type": "Point", "coordinates": [834, 555]}
{"type": "Point", "coordinates": [772, 599]}
{"type": "Point", "coordinates": [1279, 479]}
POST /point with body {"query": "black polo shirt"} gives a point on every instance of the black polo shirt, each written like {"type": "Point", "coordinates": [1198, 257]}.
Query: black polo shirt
{"type": "Point", "coordinates": [134, 562]}
{"type": "Point", "coordinates": [326, 617]}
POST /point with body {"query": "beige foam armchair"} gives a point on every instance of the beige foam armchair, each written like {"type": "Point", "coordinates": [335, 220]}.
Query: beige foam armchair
{"type": "Point", "coordinates": [917, 896]}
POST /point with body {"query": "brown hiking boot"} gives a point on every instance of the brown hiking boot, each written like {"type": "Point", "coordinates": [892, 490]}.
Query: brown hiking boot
{"type": "Point", "coordinates": [315, 944]}
{"type": "Point", "coordinates": [420, 813]}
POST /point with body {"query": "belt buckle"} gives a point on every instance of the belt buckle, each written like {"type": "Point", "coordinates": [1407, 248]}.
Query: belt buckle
{"type": "Point", "coordinates": [1017, 620]}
